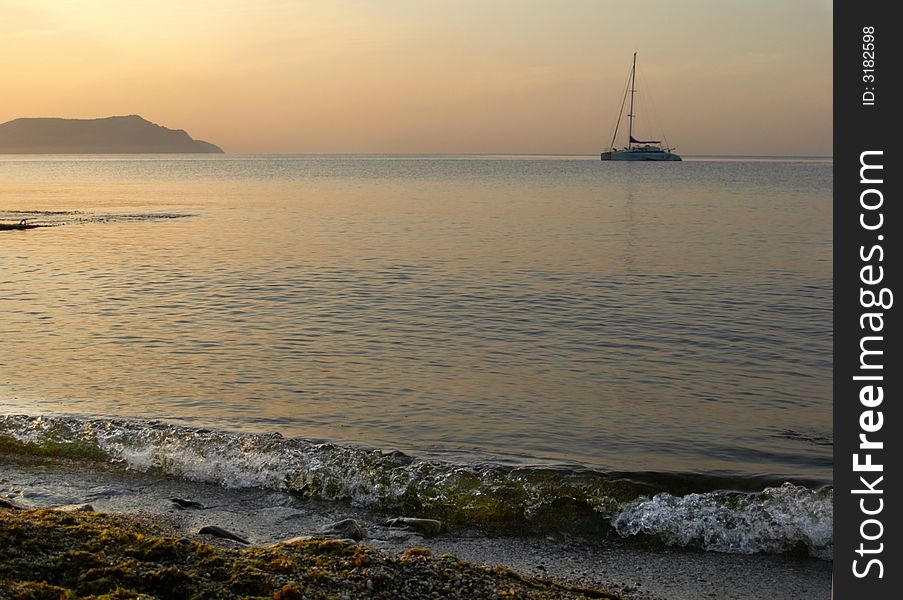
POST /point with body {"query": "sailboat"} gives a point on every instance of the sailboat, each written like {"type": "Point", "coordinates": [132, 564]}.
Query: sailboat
{"type": "Point", "coordinates": [636, 149]}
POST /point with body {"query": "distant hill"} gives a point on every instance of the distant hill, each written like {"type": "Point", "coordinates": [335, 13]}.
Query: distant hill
{"type": "Point", "coordinates": [110, 135]}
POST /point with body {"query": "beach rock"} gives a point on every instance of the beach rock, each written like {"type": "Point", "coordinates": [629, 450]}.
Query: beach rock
{"type": "Point", "coordinates": [222, 533]}
{"type": "Point", "coordinates": [346, 528]}
{"type": "Point", "coordinates": [182, 503]}
{"type": "Point", "coordinates": [9, 505]}
{"type": "Point", "coordinates": [76, 507]}
{"type": "Point", "coordinates": [398, 457]}
{"type": "Point", "coordinates": [427, 527]}
{"type": "Point", "coordinates": [346, 541]}
{"type": "Point", "coordinates": [308, 538]}
{"type": "Point", "coordinates": [299, 538]}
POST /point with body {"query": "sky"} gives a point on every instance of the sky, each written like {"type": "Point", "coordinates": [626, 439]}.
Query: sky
{"type": "Point", "coordinates": [733, 77]}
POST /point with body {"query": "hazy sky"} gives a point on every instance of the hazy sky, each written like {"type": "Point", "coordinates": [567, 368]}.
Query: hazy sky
{"type": "Point", "coordinates": [469, 76]}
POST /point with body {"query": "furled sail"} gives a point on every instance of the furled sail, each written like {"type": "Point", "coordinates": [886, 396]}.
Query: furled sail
{"type": "Point", "coordinates": [633, 140]}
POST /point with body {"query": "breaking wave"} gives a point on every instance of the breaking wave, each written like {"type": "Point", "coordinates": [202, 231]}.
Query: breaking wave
{"type": "Point", "coordinates": [779, 519]}
{"type": "Point", "coordinates": [714, 513]}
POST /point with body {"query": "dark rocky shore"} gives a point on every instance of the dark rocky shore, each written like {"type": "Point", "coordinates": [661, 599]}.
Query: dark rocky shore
{"type": "Point", "coordinates": [82, 554]}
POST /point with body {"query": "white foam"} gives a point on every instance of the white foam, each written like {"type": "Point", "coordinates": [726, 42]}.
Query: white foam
{"type": "Point", "coordinates": [776, 520]}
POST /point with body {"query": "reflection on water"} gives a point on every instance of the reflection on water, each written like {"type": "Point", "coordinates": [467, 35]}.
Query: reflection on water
{"type": "Point", "coordinates": [620, 316]}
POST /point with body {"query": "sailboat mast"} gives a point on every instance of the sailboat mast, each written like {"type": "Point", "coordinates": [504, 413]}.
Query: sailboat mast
{"type": "Point", "coordinates": [632, 92]}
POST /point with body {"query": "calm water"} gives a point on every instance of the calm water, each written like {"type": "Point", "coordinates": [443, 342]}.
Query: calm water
{"type": "Point", "coordinates": [524, 311]}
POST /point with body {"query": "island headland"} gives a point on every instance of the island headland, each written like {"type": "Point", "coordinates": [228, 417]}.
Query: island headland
{"type": "Point", "coordinates": [130, 134]}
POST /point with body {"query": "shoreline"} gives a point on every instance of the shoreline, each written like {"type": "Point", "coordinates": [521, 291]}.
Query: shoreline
{"type": "Point", "coordinates": [68, 554]}
{"type": "Point", "coordinates": [714, 512]}
{"type": "Point", "coordinates": [632, 570]}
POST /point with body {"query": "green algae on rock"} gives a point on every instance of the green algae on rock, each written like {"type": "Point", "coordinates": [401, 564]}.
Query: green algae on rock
{"type": "Point", "coordinates": [52, 554]}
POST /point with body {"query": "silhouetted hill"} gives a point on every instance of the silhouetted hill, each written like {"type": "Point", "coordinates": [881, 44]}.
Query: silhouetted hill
{"type": "Point", "coordinates": [110, 135]}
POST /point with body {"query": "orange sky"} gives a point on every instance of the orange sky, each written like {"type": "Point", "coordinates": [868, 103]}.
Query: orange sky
{"type": "Point", "coordinates": [464, 76]}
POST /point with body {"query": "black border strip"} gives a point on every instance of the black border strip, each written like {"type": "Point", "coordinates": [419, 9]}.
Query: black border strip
{"type": "Point", "coordinates": [867, 114]}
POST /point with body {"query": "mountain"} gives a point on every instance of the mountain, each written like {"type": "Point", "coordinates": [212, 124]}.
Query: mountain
{"type": "Point", "coordinates": [110, 135]}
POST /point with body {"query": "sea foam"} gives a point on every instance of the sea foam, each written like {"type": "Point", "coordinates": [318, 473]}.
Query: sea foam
{"type": "Point", "coordinates": [506, 500]}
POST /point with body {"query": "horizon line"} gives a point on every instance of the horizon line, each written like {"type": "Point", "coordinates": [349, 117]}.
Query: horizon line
{"type": "Point", "coordinates": [412, 154]}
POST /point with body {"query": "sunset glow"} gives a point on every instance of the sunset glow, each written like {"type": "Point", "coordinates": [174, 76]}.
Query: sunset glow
{"type": "Point", "coordinates": [403, 76]}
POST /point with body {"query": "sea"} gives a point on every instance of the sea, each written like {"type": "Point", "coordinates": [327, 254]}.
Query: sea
{"type": "Point", "coordinates": [522, 344]}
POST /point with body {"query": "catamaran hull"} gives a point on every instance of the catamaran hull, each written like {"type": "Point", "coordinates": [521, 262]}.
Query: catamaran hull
{"type": "Point", "coordinates": [637, 156]}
